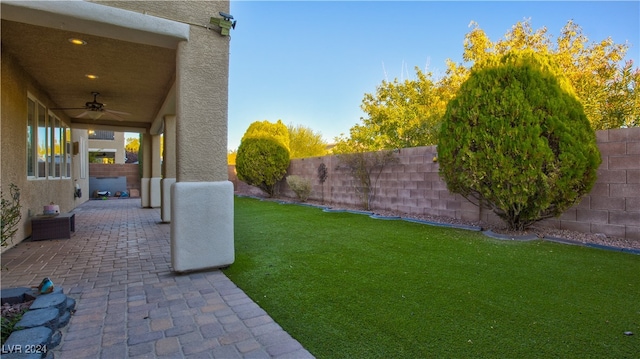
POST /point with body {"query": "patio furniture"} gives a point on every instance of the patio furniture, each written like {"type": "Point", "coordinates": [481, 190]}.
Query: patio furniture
{"type": "Point", "coordinates": [53, 227]}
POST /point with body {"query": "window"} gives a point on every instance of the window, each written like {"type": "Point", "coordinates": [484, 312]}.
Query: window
{"type": "Point", "coordinates": [48, 143]}
{"type": "Point", "coordinates": [54, 159]}
{"type": "Point", "coordinates": [101, 135]}
{"type": "Point", "coordinates": [67, 152]}
{"type": "Point", "coordinates": [31, 137]}
{"type": "Point", "coordinates": [42, 141]}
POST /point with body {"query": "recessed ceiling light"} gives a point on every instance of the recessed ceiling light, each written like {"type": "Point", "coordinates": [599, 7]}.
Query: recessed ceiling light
{"type": "Point", "coordinates": [91, 77]}
{"type": "Point", "coordinates": [77, 41]}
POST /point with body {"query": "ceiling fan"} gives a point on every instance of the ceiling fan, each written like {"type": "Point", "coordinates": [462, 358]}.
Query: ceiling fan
{"type": "Point", "coordinates": [95, 110]}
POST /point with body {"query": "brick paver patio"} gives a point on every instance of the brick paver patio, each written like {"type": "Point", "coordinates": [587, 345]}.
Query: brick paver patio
{"type": "Point", "coordinates": [129, 302]}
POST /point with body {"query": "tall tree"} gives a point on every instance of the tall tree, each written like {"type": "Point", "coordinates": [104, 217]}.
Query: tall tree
{"type": "Point", "coordinates": [604, 86]}
{"type": "Point", "coordinates": [231, 157]}
{"type": "Point", "coordinates": [399, 115]}
{"type": "Point", "coordinates": [305, 142]}
{"type": "Point", "coordinates": [132, 144]}
{"type": "Point", "coordinates": [409, 113]}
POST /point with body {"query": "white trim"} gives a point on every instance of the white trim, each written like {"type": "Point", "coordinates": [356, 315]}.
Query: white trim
{"type": "Point", "coordinates": [84, 160]}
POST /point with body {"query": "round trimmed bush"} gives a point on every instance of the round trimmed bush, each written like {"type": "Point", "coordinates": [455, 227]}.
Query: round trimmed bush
{"type": "Point", "coordinates": [516, 140]}
{"type": "Point", "coordinates": [262, 162]}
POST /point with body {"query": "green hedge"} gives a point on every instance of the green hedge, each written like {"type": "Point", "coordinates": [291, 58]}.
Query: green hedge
{"type": "Point", "coordinates": [262, 162]}
{"type": "Point", "coordinates": [517, 141]}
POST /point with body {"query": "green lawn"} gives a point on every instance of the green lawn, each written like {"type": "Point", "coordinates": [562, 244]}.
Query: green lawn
{"type": "Point", "coordinates": [348, 286]}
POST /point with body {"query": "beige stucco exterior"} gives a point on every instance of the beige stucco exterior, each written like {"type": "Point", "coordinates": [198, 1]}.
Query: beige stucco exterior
{"type": "Point", "coordinates": [196, 100]}
{"type": "Point", "coordinates": [35, 193]}
{"type": "Point", "coordinates": [116, 146]}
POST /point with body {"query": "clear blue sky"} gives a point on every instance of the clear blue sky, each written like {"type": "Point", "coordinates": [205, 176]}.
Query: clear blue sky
{"type": "Point", "coordinates": [311, 63]}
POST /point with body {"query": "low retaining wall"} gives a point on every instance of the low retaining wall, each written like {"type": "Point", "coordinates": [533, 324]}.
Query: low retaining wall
{"type": "Point", "coordinates": [128, 170]}
{"type": "Point", "coordinates": [413, 187]}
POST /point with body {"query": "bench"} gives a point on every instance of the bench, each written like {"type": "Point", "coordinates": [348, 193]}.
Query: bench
{"type": "Point", "coordinates": [53, 226]}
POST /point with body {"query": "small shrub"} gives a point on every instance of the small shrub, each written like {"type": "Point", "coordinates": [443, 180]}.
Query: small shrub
{"type": "Point", "coordinates": [8, 323]}
{"type": "Point", "coordinates": [323, 173]}
{"type": "Point", "coordinates": [262, 162]}
{"type": "Point", "coordinates": [300, 185]}
{"type": "Point", "coordinates": [365, 168]}
{"type": "Point", "coordinates": [11, 214]}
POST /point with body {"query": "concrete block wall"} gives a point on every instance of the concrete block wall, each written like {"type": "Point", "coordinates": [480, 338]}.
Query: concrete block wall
{"type": "Point", "coordinates": [129, 170]}
{"type": "Point", "coordinates": [413, 187]}
{"type": "Point", "coordinates": [613, 205]}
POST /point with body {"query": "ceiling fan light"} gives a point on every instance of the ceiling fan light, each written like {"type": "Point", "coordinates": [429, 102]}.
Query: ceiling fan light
{"type": "Point", "coordinates": [77, 41]}
{"type": "Point", "coordinates": [91, 76]}
{"type": "Point", "coordinates": [94, 115]}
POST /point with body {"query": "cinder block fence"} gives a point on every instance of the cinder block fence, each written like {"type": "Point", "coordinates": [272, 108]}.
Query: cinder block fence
{"type": "Point", "coordinates": [413, 187]}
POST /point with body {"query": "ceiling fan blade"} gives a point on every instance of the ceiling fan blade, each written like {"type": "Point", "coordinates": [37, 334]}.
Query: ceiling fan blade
{"type": "Point", "coordinates": [112, 114]}
{"type": "Point", "coordinates": [118, 112]}
{"type": "Point", "coordinates": [94, 115]}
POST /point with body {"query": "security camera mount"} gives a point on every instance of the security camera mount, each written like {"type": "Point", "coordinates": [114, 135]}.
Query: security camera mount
{"type": "Point", "coordinates": [225, 24]}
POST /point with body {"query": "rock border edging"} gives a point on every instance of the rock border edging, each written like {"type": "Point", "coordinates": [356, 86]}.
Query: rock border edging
{"type": "Point", "coordinates": [41, 323]}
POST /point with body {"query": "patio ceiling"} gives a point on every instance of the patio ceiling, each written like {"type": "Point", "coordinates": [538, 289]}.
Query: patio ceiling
{"type": "Point", "coordinates": [135, 68]}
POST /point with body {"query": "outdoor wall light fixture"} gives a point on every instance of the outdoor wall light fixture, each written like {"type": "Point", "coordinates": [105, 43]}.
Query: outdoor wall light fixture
{"type": "Point", "coordinates": [226, 23]}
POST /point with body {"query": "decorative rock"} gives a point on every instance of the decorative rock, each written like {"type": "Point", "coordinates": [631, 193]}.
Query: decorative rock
{"type": "Point", "coordinates": [32, 336]}
{"type": "Point", "coordinates": [41, 317]}
{"type": "Point", "coordinates": [16, 295]}
{"type": "Point", "coordinates": [41, 322]}
{"type": "Point", "coordinates": [48, 313]}
{"type": "Point", "coordinates": [55, 340]}
{"type": "Point", "coordinates": [71, 304]}
{"type": "Point", "coordinates": [64, 319]}
{"type": "Point", "coordinates": [23, 356]}
{"type": "Point", "coordinates": [58, 301]}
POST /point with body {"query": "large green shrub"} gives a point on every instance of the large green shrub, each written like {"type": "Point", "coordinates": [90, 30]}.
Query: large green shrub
{"type": "Point", "coordinates": [262, 162]}
{"type": "Point", "coordinates": [517, 140]}
{"type": "Point", "coordinates": [264, 129]}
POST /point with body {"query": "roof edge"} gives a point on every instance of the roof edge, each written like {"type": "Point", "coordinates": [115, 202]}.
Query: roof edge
{"type": "Point", "coordinates": [99, 20]}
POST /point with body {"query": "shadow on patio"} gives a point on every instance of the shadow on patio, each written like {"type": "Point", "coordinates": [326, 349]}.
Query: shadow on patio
{"type": "Point", "coordinates": [129, 302]}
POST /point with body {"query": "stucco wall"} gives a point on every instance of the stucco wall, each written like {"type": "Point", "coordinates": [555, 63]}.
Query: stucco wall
{"type": "Point", "coordinates": [414, 187]}
{"type": "Point", "coordinates": [35, 193]}
{"type": "Point", "coordinates": [116, 144]}
{"type": "Point", "coordinates": [201, 86]}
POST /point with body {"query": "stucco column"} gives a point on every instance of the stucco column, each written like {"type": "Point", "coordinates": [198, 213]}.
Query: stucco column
{"type": "Point", "coordinates": [156, 173]}
{"type": "Point", "coordinates": [168, 167]}
{"type": "Point", "coordinates": [202, 197]}
{"type": "Point", "coordinates": [145, 194]}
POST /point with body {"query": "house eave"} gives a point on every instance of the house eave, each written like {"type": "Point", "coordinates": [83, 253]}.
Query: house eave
{"type": "Point", "coordinates": [99, 20]}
